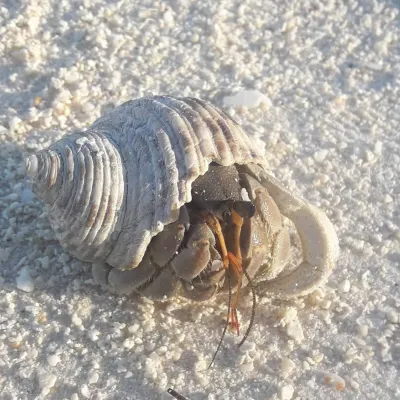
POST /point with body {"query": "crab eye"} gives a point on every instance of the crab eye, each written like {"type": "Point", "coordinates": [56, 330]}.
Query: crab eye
{"type": "Point", "coordinates": [245, 209]}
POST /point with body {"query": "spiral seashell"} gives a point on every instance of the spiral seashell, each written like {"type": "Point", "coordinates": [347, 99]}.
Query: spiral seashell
{"type": "Point", "coordinates": [112, 187]}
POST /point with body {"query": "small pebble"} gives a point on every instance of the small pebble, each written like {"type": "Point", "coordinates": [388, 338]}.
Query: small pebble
{"type": "Point", "coordinates": [388, 199]}
{"type": "Point", "coordinates": [325, 304]}
{"type": "Point", "coordinates": [247, 367]}
{"type": "Point", "coordinates": [335, 381]}
{"type": "Point", "coordinates": [392, 316]}
{"type": "Point", "coordinates": [93, 377]}
{"type": "Point", "coordinates": [287, 367]}
{"type": "Point", "coordinates": [45, 261]}
{"type": "Point", "coordinates": [246, 98]}
{"type": "Point", "coordinates": [295, 330]}
{"type": "Point", "coordinates": [320, 155]}
{"type": "Point", "coordinates": [317, 356]}
{"type": "Point", "coordinates": [363, 330]}
{"type": "Point", "coordinates": [286, 392]}
{"type": "Point", "coordinates": [306, 365]}
{"type": "Point", "coordinates": [344, 286]}
{"type": "Point", "coordinates": [72, 77]}
{"type": "Point", "coordinates": [200, 365]}
{"type": "Point", "coordinates": [85, 392]}
{"type": "Point", "coordinates": [76, 320]}
{"type": "Point", "coordinates": [355, 385]}
{"type": "Point", "coordinates": [25, 281]}
{"type": "Point", "coordinates": [285, 315]}
{"type": "Point", "coordinates": [53, 360]}
{"type": "Point", "coordinates": [46, 381]}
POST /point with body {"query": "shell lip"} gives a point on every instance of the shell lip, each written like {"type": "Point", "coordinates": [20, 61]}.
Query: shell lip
{"type": "Point", "coordinates": [32, 167]}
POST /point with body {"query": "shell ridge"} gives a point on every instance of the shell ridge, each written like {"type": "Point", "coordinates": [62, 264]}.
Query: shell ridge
{"type": "Point", "coordinates": [115, 196]}
{"type": "Point", "coordinates": [95, 193]}
{"type": "Point", "coordinates": [68, 223]}
{"type": "Point", "coordinates": [63, 204]}
{"type": "Point", "coordinates": [159, 167]}
{"type": "Point", "coordinates": [80, 160]}
{"type": "Point", "coordinates": [134, 152]}
{"type": "Point", "coordinates": [215, 132]}
{"type": "Point", "coordinates": [199, 130]}
{"type": "Point", "coordinates": [182, 110]}
{"type": "Point", "coordinates": [103, 203]}
{"type": "Point", "coordinates": [233, 145]}
{"type": "Point", "coordinates": [169, 117]}
{"type": "Point", "coordinates": [225, 128]}
{"type": "Point", "coordinates": [171, 173]}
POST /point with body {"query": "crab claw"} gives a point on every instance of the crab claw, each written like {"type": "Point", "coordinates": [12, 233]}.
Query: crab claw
{"type": "Point", "coordinates": [318, 238]}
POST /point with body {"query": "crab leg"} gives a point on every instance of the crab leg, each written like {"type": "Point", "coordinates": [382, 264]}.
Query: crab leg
{"type": "Point", "coordinates": [318, 239]}
{"type": "Point", "coordinates": [238, 271]}
{"type": "Point", "coordinates": [227, 258]}
{"type": "Point", "coordinates": [236, 263]}
{"type": "Point", "coordinates": [238, 222]}
{"type": "Point", "coordinates": [214, 224]}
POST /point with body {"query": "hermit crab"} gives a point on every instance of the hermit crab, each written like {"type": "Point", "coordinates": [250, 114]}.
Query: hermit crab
{"type": "Point", "coordinates": [170, 197]}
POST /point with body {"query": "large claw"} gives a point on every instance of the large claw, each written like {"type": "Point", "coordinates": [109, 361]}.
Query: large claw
{"type": "Point", "coordinates": [319, 241]}
{"type": "Point", "coordinates": [193, 259]}
{"type": "Point", "coordinates": [164, 245]}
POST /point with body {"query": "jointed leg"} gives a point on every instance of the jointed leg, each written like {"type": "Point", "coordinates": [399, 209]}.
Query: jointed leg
{"type": "Point", "coordinates": [229, 259]}
{"type": "Point", "coordinates": [238, 222]}
{"type": "Point", "coordinates": [214, 224]}
{"type": "Point", "coordinates": [236, 263]}
{"type": "Point", "coordinates": [237, 270]}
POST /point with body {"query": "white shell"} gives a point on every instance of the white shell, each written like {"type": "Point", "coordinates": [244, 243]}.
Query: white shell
{"type": "Point", "coordinates": [113, 187]}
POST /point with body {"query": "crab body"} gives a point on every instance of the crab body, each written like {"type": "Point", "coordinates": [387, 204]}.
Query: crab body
{"type": "Point", "coordinates": [134, 194]}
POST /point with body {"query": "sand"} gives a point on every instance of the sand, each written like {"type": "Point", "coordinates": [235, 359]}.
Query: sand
{"type": "Point", "coordinates": [319, 83]}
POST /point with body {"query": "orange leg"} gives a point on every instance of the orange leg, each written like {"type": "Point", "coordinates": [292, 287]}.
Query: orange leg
{"type": "Point", "coordinates": [216, 227]}
{"type": "Point", "coordinates": [236, 261]}
{"type": "Point", "coordinates": [229, 259]}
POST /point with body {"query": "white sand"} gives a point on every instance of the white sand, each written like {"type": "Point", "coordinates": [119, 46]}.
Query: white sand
{"type": "Point", "coordinates": [328, 74]}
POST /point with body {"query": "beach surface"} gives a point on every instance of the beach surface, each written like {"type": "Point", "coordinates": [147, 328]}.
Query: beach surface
{"type": "Point", "coordinates": [319, 83]}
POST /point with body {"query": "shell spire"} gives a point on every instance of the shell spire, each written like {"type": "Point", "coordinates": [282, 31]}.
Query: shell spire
{"type": "Point", "coordinates": [44, 169]}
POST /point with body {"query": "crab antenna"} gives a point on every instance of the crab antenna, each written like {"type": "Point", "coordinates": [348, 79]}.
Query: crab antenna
{"type": "Point", "coordinates": [227, 321]}
{"type": "Point", "coordinates": [253, 309]}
